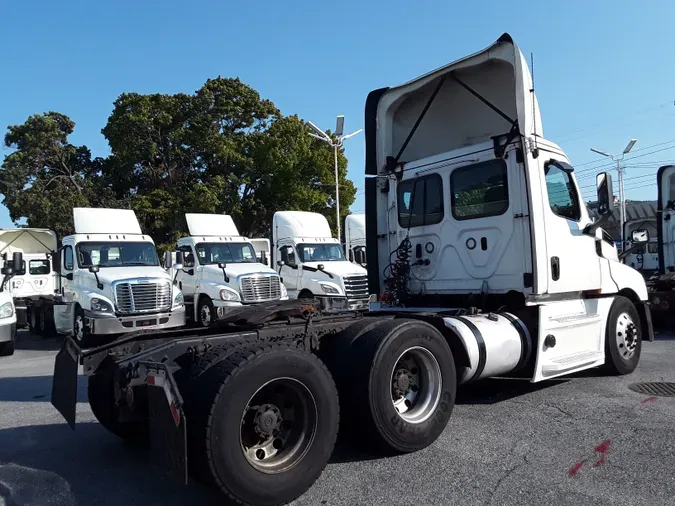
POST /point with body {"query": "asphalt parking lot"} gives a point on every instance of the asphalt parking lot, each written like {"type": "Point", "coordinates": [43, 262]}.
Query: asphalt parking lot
{"type": "Point", "coordinates": [581, 440]}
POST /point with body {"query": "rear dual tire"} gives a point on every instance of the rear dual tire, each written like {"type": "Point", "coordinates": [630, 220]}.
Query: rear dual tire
{"type": "Point", "coordinates": [264, 421]}
{"type": "Point", "coordinates": [397, 382]}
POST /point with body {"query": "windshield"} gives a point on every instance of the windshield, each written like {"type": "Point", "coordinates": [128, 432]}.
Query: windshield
{"type": "Point", "coordinates": [116, 254]}
{"type": "Point", "coordinates": [320, 252]}
{"type": "Point", "coordinates": [229, 253]}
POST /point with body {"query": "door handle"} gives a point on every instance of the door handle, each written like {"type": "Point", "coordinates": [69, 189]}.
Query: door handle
{"type": "Point", "coordinates": [555, 268]}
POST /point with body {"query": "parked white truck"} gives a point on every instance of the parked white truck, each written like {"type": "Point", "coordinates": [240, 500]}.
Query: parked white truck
{"type": "Point", "coordinates": [110, 281]}
{"type": "Point", "coordinates": [644, 258]}
{"type": "Point", "coordinates": [7, 309]}
{"type": "Point", "coordinates": [483, 260]}
{"type": "Point", "coordinates": [311, 262]}
{"type": "Point", "coordinates": [355, 238]}
{"type": "Point", "coordinates": [36, 279]}
{"type": "Point", "coordinates": [221, 269]}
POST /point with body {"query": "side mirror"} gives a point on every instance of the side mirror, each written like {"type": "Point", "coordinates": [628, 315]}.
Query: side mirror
{"type": "Point", "coordinates": [640, 236]}
{"type": "Point", "coordinates": [56, 261]}
{"type": "Point", "coordinates": [17, 261]}
{"type": "Point", "coordinates": [179, 257]}
{"type": "Point", "coordinates": [320, 267]}
{"type": "Point", "coordinates": [263, 258]}
{"type": "Point", "coordinates": [281, 263]}
{"type": "Point", "coordinates": [351, 255]}
{"type": "Point", "coordinates": [603, 182]}
{"type": "Point", "coordinates": [167, 259]}
{"type": "Point", "coordinates": [94, 268]}
{"type": "Point", "coordinates": [222, 265]}
{"type": "Point", "coordinates": [360, 256]}
{"type": "Point", "coordinates": [284, 255]}
{"type": "Point", "coordinates": [7, 270]}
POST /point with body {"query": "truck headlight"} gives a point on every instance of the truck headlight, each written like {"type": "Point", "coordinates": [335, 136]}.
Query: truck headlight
{"type": "Point", "coordinates": [329, 289]}
{"type": "Point", "coordinates": [100, 306]}
{"type": "Point", "coordinates": [230, 295]}
{"type": "Point", "coordinates": [179, 300]}
{"type": "Point", "coordinates": [6, 310]}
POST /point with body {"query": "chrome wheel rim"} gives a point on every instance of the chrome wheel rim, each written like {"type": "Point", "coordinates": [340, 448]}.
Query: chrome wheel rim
{"type": "Point", "coordinates": [79, 328]}
{"type": "Point", "coordinates": [416, 384]}
{"type": "Point", "coordinates": [626, 335]}
{"type": "Point", "coordinates": [278, 425]}
{"type": "Point", "coordinates": [205, 315]}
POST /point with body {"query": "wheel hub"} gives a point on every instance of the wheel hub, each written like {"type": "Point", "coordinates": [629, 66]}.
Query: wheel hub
{"type": "Point", "coordinates": [631, 336]}
{"type": "Point", "coordinates": [267, 420]}
{"type": "Point", "coordinates": [402, 381]}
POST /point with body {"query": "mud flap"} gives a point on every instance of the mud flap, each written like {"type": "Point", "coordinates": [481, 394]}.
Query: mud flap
{"type": "Point", "coordinates": [168, 435]}
{"type": "Point", "coordinates": [647, 325]}
{"type": "Point", "coordinates": [64, 384]}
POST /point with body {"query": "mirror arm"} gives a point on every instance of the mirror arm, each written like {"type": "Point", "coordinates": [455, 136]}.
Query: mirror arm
{"type": "Point", "coordinates": [590, 229]}
{"type": "Point", "coordinates": [634, 247]}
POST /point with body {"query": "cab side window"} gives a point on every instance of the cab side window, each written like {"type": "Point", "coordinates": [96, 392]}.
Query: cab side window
{"type": "Point", "coordinates": [562, 194]}
{"type": "Point", "coordinates": [291, 254]}
{"type": "Point", "coordinates": [420, 201]}
{"type": "Point", "coordinates": [188, 256]}
{"type": "Point", "coordinates": [68, 258]}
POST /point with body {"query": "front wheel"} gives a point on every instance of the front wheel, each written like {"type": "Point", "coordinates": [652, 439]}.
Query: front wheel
{"type": "Point", "coordinates": [80, 330]}
{"type": "Point", "coordinates": [623, 338]}
{"type": "Point", "coordinates": [205, 312]}
{"type": "Point", "coordinates": [7, 348]}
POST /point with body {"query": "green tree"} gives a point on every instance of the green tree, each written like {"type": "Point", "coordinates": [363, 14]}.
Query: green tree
{"type": "Point", "coordinates": [224, 150]}
{"type": "Point", "coordinates": [46, 176]}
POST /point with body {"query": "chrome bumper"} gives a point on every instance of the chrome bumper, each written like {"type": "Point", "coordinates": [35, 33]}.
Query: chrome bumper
{"type": "Point", "coordinates": [111, 324]}
{"type": "Point", "coordinates": [358, 304]}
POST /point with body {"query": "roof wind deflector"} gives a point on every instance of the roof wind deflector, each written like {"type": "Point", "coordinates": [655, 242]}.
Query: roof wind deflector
{"type": "Point", "coordinates": [393, 162]}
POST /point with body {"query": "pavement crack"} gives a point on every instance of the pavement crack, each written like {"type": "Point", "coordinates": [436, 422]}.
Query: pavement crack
{"type": "Point", "coordinates": [559, 409]}
{"type": "Point", "coordinates": [507, 474]}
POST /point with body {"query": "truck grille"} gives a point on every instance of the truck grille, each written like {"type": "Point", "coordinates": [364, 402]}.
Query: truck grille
{"type": "Point", "coordinates": [356, 287]}
{"type": "Point", "coordinates": [143, 297]}
{"type": "Point", "coordinates": [260, 288]}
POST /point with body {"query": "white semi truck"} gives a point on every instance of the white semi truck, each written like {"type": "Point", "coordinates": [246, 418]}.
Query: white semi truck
{"type": "Point", "coordinates": [110, 281]}
{"type": "Point", "coordinates": [311, 262]}
{"type": "Point", "coordinates": [355, 238]}
{"type": "Point", "coordinates": [482, 261]}
{"type": "Point", "coordinates": [36, 279]}
{"type": "Point", "coordinates": [644, 258]}
{"type": "Point", "coordinates": [221, 269]}
{"type": "Point", "coordinates": [8, 321]}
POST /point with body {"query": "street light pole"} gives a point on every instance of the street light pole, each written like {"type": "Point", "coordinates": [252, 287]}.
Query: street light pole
{"type": "Point", "coordinates": [619, 168]}
{"type": "Point", "coordinates": [317, 133]}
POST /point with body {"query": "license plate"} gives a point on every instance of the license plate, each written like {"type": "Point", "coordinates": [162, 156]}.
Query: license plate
{"type": "Point", "coordinates": [145, 323]}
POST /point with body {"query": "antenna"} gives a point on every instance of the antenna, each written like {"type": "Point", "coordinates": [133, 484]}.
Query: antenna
{"type": "Point", "coordinates": [534, 110]}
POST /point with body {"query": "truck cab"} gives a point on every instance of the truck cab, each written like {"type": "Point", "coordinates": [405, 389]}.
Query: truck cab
{"type": "Point", "coordinates": [36, 278]}
{"type": "Point", "coordinates": [469, 206]}
{"type": "Point", "coordinates": [644, 257]}
{"type": "Point", "coordinates": [8, 317]}
{"type": "Point", "coordinates": [355, 238]}
{"type": "Point", "coordinates": [312, 263]}
{"type": "Point", "coordinates": [662, 284]}
{"type": "Point", "coordinates": [111, 281]}
{"type": "Point", "coordinates": [221, 269]}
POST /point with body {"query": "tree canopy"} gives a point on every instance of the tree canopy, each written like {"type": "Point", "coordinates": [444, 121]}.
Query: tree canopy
{"type": "Point", "coordinates": [223, 149]}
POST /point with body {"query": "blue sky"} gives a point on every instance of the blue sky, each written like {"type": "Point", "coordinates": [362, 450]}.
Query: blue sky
{"type": "Point", "coordinates": [604, 73]}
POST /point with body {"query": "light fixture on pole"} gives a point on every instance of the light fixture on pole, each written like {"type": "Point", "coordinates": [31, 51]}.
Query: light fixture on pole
{"type": "Point", "coordinates": [317, 133]}
{"type": "Point", "coordinates": [619, 168]}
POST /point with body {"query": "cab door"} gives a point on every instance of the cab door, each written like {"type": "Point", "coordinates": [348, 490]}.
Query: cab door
{"type": "Point", "coordinates": [290, 272]}
{"type": "Point", "coordinates": [64, 310]}
{"type": "Point", "coordinates": [573, 264]}
{"type": "Point", "coordinates": [187, 276]}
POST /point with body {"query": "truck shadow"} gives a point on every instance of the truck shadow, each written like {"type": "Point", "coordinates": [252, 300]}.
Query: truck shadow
{"type": "Point", "coordinates": [494, 390]}
{"type": "Point", "coordinates": [34, 389]}
{"type": "Point", "coordinates": [50, 464]}
{"type": "Point", "coordinates": [31, 342]}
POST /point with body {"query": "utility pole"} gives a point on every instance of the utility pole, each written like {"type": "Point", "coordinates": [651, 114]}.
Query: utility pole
{"type": "Point", "coordinates": [620, 172]}
{"type": "Point", "coordinates": [317, 133]}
